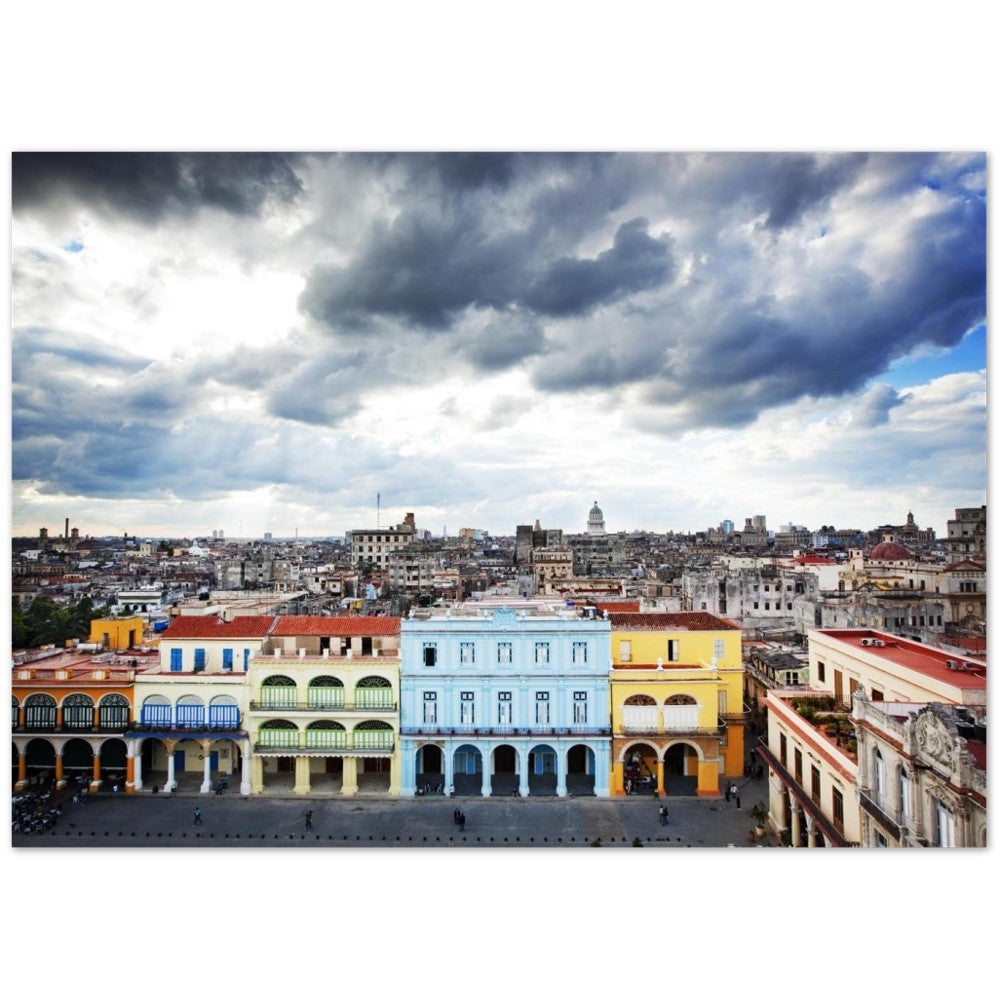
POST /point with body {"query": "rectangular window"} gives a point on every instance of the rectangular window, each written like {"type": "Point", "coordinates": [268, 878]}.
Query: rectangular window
{"type": "Point", "coordinates": [579, 708]}
{"type": "Point", "coordinates": [821, 671]}
{"type": "Point", "coordinates": [430, 708]}
{"type": "Point", "coordinates": [904, 799]}
{"type": "Point", "coordinates": [877, 695]}
{"type": "Point", "coordinates": [783, 750]}
{"type": "Point", "coordinates": [788, 607]}
{"type": "Point", "coordinates": [625, 650]}
{"type": "Point", "coordinates": [880, 839]}
{"type": "Point", "coordinates": [798, 767]}
{"type": "Point", "coordinates": [467, 715]}
{"type": "Point", "coordinates": [838, 810]}
{"type": "Point", "coordinates": [815, 785]}
{"type": "Point", "coordinates": [176, 659]}
{"type": "Point", "coordinates": [504, 652]}
{"type": "Point", "coordinates": [673, 650]}
{"type": "Point", "coordinates": [542, 708]}
{"type": "Point", "coordinates": [767, 606]}
{"type": "Point", "coordinates": [541, 652]}
{"type": "Point", "coordinates": [227, 659]}
{"type": "Point", "coordinates": [945, 822]}
{"type": "Point", "coordinates": [504, 708]}
{"type": "Point", "coordinates": [756, 605]}
{"type": "Point", "coordinates": [579, 652]}
{"type": "Point", "coordinates": [723, 703]}
{"type": "Point", "coordinates": [199, 659]}
{"type": "Point", "coordinates": [719, 648]}
{"type": "Point", "coordinates": [430, 654]}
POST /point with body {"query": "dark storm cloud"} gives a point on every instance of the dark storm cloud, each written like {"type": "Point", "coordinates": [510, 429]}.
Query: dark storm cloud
{"type": "Point", "coordinates": [149, 186]}
{"type": "Point", "coordinates": [636, 262]}
{"type": "Point", "coordinates": [789, 184]}
{"type": "Point", "coordinates": [69, 348]}
{"type": "Point", "coordinates": [510, 339]}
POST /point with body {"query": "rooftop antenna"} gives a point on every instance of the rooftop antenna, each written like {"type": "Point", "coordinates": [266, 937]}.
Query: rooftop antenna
{"type": "Point", "coordinates": [378, 510]}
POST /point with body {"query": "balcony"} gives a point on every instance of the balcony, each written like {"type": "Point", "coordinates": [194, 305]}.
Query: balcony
{"type": "Point", "coordinates": [307, 706]}
{"type": "Point", "coordinates": [890, 819]}
{"type": "Point", "coordinates": [372, 744]}
{"type": "Point", "coordinates": [174, 728]}
{"type": "Point", "coordinates": [509, 732]}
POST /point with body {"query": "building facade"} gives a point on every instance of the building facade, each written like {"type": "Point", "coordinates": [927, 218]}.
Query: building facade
{"type": "Point", "coordinates": [500, 700]}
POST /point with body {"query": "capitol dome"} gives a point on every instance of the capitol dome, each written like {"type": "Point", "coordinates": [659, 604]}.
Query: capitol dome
{"type": "Point", "coordinates": [890, 552]}
{"type": "Point", "coordinates": [595, 521]}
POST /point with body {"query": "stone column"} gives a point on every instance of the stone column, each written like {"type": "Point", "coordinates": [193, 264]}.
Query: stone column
{"type": "Point", "coordinates": [256, 775]}
{"type": "Point", "coordinates": [449, 767]}
{"type": "Point", "coordinates": [523, 774]}
{"type": "Point", "coordinates": [22, 768]}
{"type": "Point", "coordinates": [350, 781]}
{"type": "Point", "coordinates": [134, 761]}
{"type": "Point", "coordinates": [246, 770]}
{"type": "Point", "coordinates": [60, 780]}
{"type": "Point", "coordinates": [661, 788]}
{"type": "Point", "coordinates": [171, 783]}
{"type": "Point", "coordinates": [796, 825]}
{"type": "Point", "coordinates": [561, 767]}
{"type": "Point", "coordinates": [302, 786]}
{"type": "Point", "coordinates": [487, 757]}
{"type": "Point", "coordinates": [206, 779]}
{"type": "Point", "coordinates": [810, 832]}
{"type": "Point", "coordinates": [95, 782]}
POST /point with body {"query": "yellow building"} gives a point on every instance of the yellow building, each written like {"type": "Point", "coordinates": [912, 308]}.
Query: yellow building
{"type": "Point", "coordinates": [117, 633]}
{"type": "Point", "coordinates": [676, 703]}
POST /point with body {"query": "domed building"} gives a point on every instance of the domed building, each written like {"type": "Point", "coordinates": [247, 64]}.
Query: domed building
{"type": "Point", "coordinates": [890, 551]}
{"type": "Point", "coordinates": [595, 521]}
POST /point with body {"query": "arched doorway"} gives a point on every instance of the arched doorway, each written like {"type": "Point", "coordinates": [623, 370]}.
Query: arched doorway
{"type": "Point", "coordinates": [41, 761]}
{"type": "Point", "coordinates": [505, 778]}
{"type": "Point", "coordinates": [639, 771]}
{"type": "Point", "coordinates": [40, 712]}
{"type": "Point", "coordinates": [373, 692]}
{"type": "Point", "coordinates": [429, 767]}
{"type": "Point", "coordinates": [468, 770]}
{"type": "Point", "coordinates": [580, 768]}
{"type": "Point", "coordinates": [278, 691]}
{"type": "Point", "coordinates": [326, 692]}
{"type": "Point", "coordinates": [680, 769]}
{"type": "Point", "coordinates": [113, 713]}
{"type": "Point", "coordinates": [78, 713]}
{"type": "Point", "coordinates": [114, 764]}
{"type": "Point", "coordinates": [78, 762]}
{"type": "Point", "coordinates": [542, 769]}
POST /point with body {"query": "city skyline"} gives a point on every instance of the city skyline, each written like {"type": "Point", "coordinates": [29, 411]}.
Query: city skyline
{"type": "Point", "coordinates": [263, 342]}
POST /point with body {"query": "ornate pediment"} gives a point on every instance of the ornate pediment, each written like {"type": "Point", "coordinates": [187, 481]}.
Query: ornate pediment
{"type": "Point", "coordinates": [935, 741]}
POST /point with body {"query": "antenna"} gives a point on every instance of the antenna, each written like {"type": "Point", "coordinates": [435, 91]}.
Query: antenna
{"type": "Point", "coordinates": [378, 510]}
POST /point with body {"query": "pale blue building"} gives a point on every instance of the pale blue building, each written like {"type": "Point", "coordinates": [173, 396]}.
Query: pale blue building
{"type": "Point", "coordinates": [505, 701]}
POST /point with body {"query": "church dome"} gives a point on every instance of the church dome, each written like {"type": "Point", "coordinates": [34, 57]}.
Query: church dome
{"type": "Point", "coordinates": [596, 513]}
{"type": "Point", "coordinates": [890, 552]}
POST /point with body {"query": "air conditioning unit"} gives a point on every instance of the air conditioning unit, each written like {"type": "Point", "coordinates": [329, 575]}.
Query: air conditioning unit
{"type": "Point", "coordinates": [951, 664]}
{"type": "Point", "coordinates": [867, 642]}
{"type": "Point", "coordinates": [878, 642]}
{"type": "Point", "coordinates": [967, 666]}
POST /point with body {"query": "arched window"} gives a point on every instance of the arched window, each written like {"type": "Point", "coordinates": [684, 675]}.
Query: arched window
{"type": "Point", "coordinates": [680, 699]}
{"type": "Point", "coordinates": [278, 691]}
{"type": "Point", "coordinates": [373, 692]}
{"type": "Point", "coordinates": [223, 712]}
{"type": "Point", "coordinates": [640, 699]}
{"type": "Point", "coordinates": [40, 711]}
{"type": "Point", "coordinates": [113, 711]}
{"type": "Point", "coordinates": [878, 778]}
{"type": "Point", "coordinates": [903, 786]}
{"type": "Point", "coordinates": [190, 712]}
{"type": "Point", "coordinates": [326, 692]}
{"type": "Point", "coordinates": [278, 733]}
{"type": "Point", "coordinates": [326, 734]}
{"type": "Point", "coordinates": [373, 735]}
{"type": "Point", "coordinates": [156, 712]}
{"type": "Point", "coordinates": [78, 711]}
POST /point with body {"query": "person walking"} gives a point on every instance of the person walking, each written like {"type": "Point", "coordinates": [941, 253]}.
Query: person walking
{"type": "Point", "coordinates": [727, 793]}
{"type": "Point", "coordinates": [197, 817]}
{"type": "Point", "coordinates": [737, 800]}
{"type": "Point", "coordinates": [457, 816]}
{"type": "Point", "coordinates": [663, 815]}
{"type": "Point", "coordinates": [309, 819]}
{"type": "Point", "coordinates": [461, 821]}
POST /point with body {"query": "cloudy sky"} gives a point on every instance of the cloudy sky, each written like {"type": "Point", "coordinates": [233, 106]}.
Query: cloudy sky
{"type": "Point", "coordinates": [264, 342]}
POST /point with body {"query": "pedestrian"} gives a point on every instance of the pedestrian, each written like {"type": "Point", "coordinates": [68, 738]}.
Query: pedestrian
{"type": "Point", "coordinates": [737, 800]}
{"type": "Point", "coordinates": [309, 819]}
{"type": "Point", "coordinates": [663, 815]}
{"type": "Point", "coordinates": [197, 817]}
{"type": "Point", "coordinates": [727, 793]}
{"type": "Point", "coordinates": [666, 816]}
{"type": "Point", "coordinates": [457, 814]}
{"type": "Point", "coordinates": [76, 799]}
{"type": "Point", "coordinates": [114, 790]}
{"type": "Point", "coordinates": [461, 821]}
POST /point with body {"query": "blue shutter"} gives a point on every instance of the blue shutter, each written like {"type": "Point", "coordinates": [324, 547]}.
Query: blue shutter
{"type": "Point", "coordinates": [175, 659]}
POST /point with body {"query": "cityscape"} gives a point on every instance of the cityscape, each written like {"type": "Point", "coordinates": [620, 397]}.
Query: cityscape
{"type": "Point", "coordinates": [828, 686]}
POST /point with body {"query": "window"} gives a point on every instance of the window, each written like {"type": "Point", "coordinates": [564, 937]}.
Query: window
{"type": "Point", "coordinates": [719, 648]}
{"type": "Point", "coordinates": [468, 708]}
{"type": "Point", "coordinates": [877, 695]}
{"type": "Point", "coordinates": [199, 659]}
{"type": "Point", "coordinates": [816, 785]}
{"type": "Point", "coordinates": [904, 798]}
{"type": "Point", "coordinates": [788, 607]}
{"type": "Point", "coordinates": [227, 659]}
{"type": "Point", "coordinates": [625, 650]}
{"type": "Point", "coordinates": [673, 650]}
{"type": "Point", "coordinates": [767, 606]}
{"type": "Point", "coordinates": [579, 652]}
{"type": "Point", "coordinates": [430, 708]}
{"type": "Point", "coordinates": [723, 703]}
{"type": "Point", "coordinates": [467, 652]}
{"type": "Point", "coordinates": [504, 652]}
{"type": "Point", "coordinates": [541, 652]}
{"type": "Point", "coordinates": [504, 708]}
{"type": "Point", "coordinates": [430, 654]}
{"type": "Point", "coordinates": [821, 671]}
{"type": "Point", "coordinates": [945, 823]}
{"type": "Point", "coordinates": [783, 750]}
{"type": "Point", "coordinates": [579, 708]}
{"type": "Point", "coordinates": [176, 659]}
{"type": "Point", "coordinates": [880, 839]}
{"type": "Point", "coordinates": [798, 767]}
{"type": "Point", "coordinates": [756, 605]}
{"type": "Point", "coordinates": [542, 708]}
{"type": "Point", "coordinates": [838, 810]}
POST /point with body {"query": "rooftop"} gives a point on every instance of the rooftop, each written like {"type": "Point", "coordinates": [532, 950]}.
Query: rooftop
{"type": "Point", "coordinates": [686, 621]}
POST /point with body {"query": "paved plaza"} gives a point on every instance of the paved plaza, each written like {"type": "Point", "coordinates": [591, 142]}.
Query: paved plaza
{"type": "Point", "coordinates": [229, 820]}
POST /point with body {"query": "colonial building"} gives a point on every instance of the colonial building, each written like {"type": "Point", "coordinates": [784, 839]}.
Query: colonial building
{"type": "Point", "coordinates": [676, 703]}
{"type": "Point", "coordinates": [921, 774]}
{"type": "Point", "coordinates": [812, 742]}
{"type": "Point", "coordinates": [372, 546]}
{"type": "Point", "coordinates": [324, 706]}
{"type": "Point", "coordinates": [501, 700]}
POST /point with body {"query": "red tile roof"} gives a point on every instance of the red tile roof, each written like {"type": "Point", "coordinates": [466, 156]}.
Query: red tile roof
{"type": "Point", "coordinates": [290, 625]}
{"type": "Point", "coordinates": [688, 621]}
{"type": "Point", "coordinates": [617, 606]}
{"type": "Point", "coordinates": [211, 627]}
